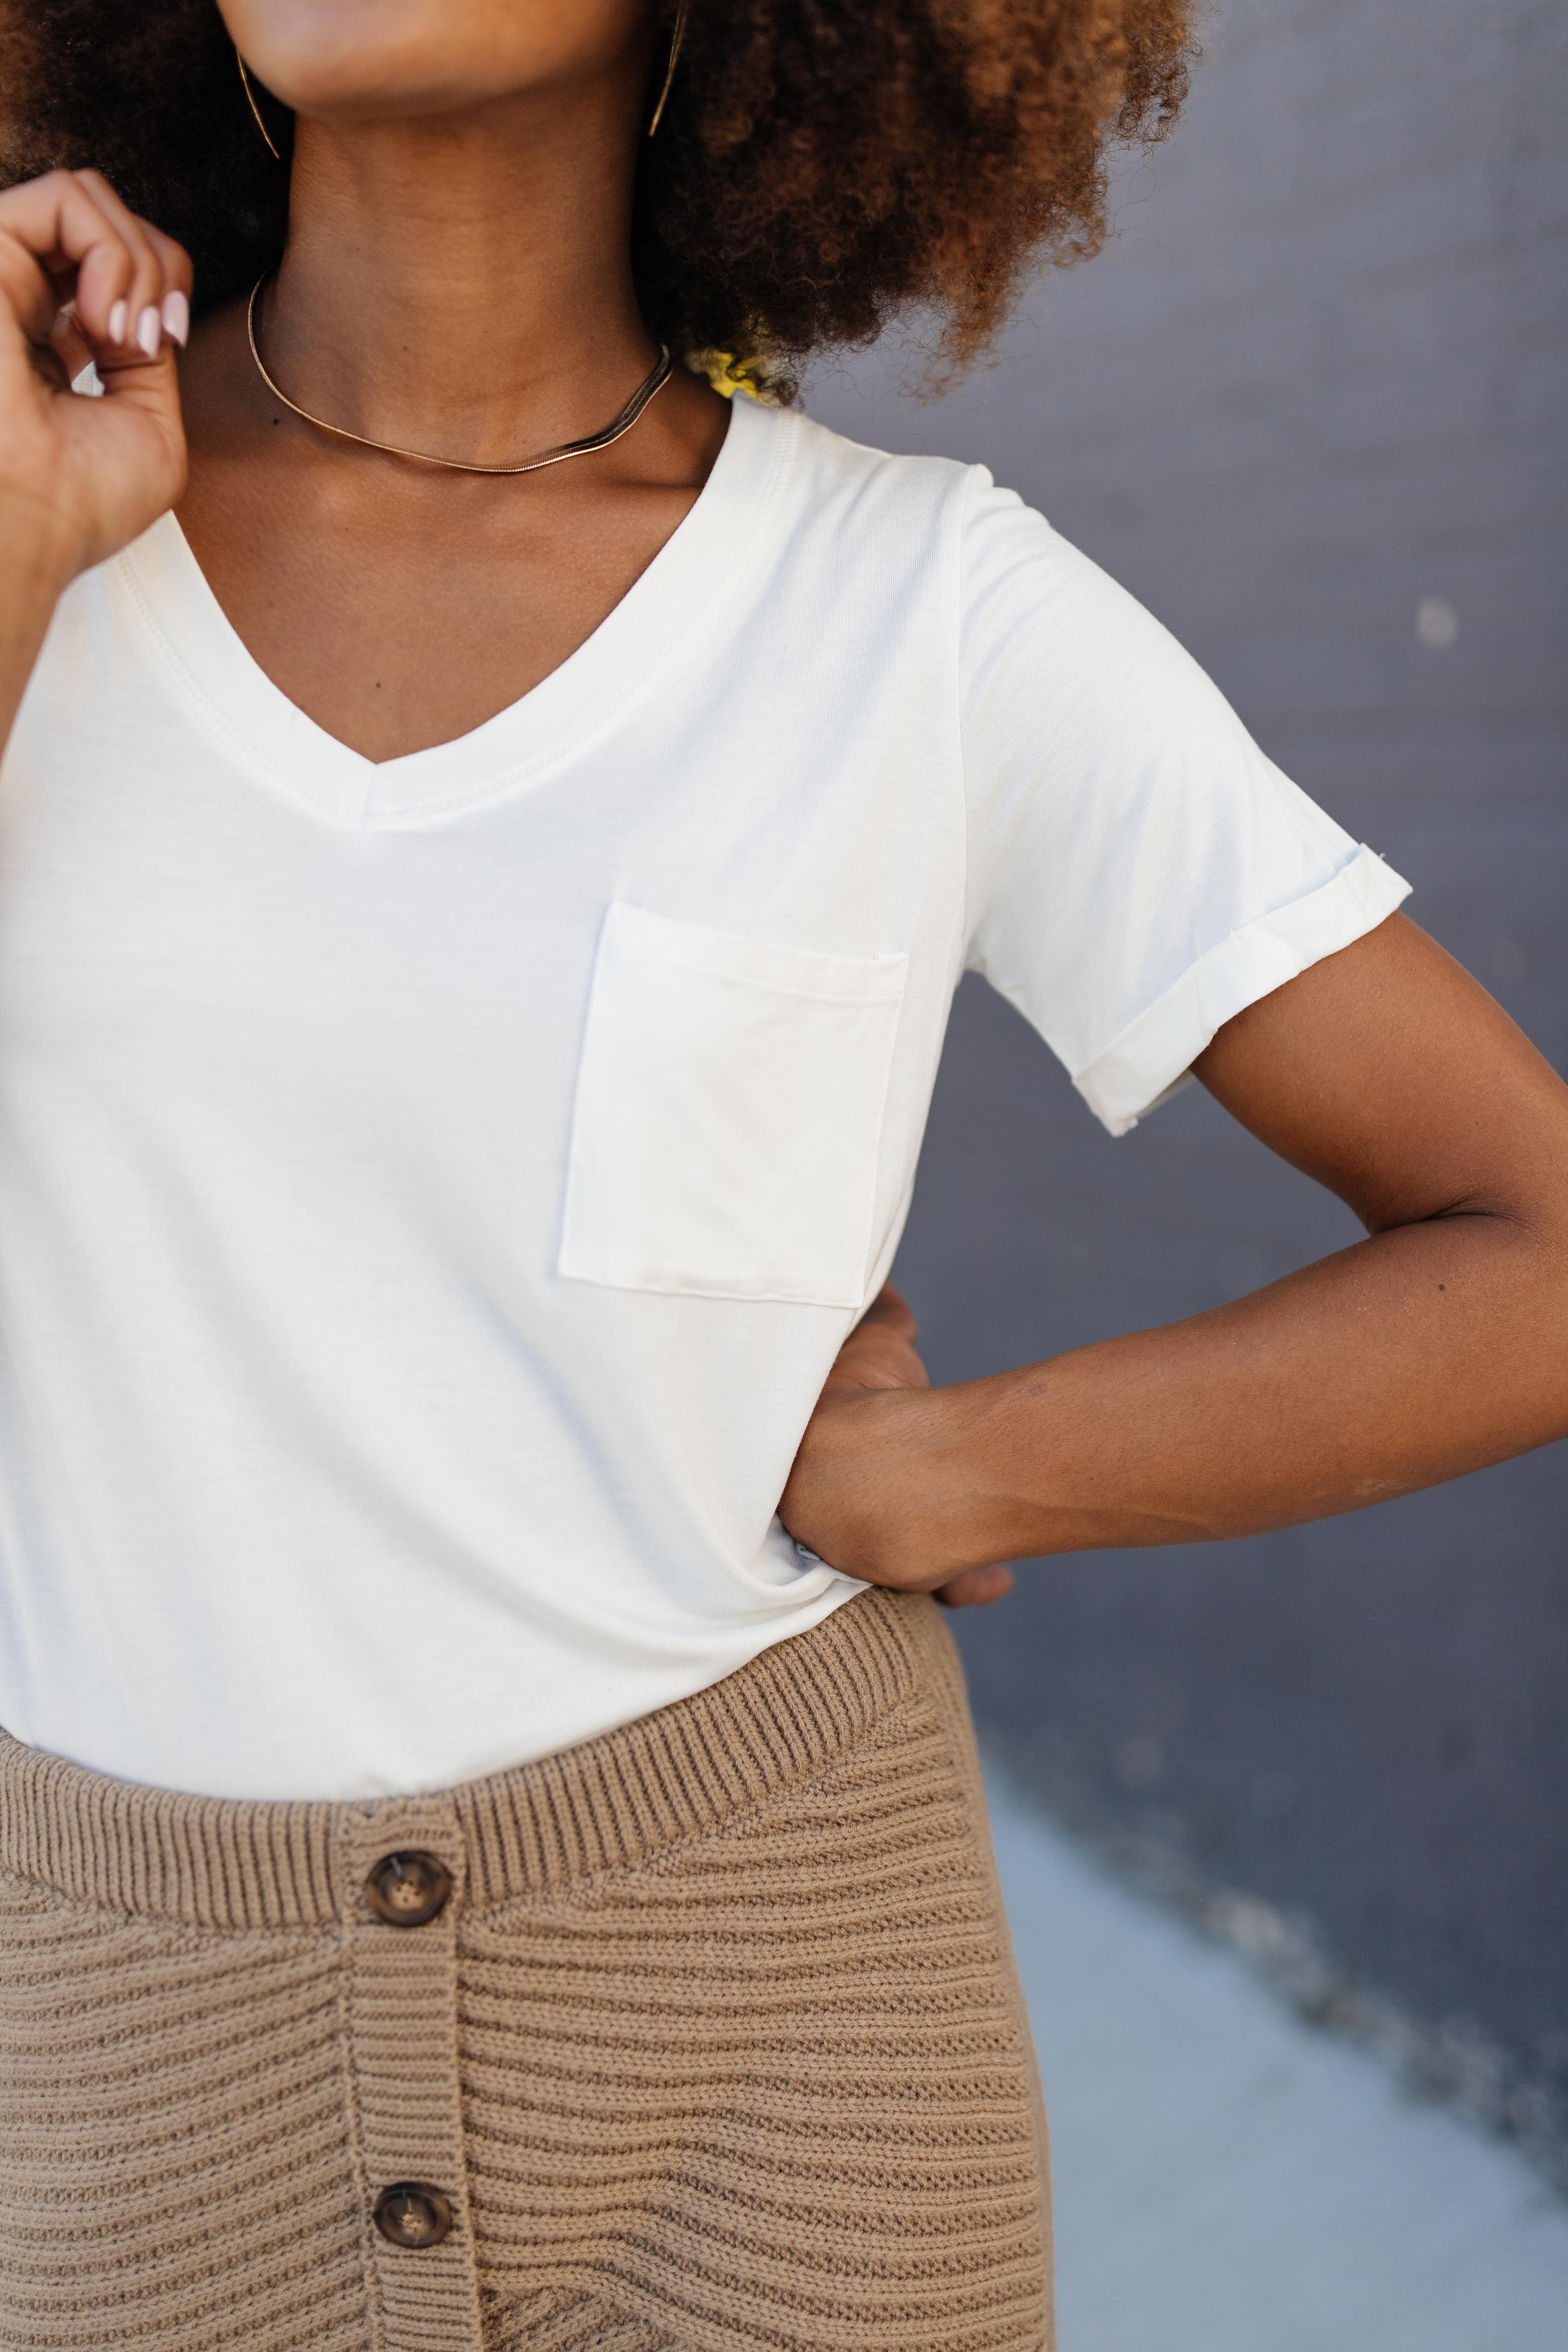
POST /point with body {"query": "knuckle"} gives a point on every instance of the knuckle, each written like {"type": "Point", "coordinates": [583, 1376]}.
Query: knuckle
{"type": "Point", "coordinates": [176, 263]}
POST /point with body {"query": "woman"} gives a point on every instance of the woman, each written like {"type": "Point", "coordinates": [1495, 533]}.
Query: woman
{"type": "Point", "coordinates": [481, 1866]}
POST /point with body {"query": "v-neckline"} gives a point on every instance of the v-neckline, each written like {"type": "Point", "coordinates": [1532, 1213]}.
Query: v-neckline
{"type": "Point", "coordinates": [588, 693]}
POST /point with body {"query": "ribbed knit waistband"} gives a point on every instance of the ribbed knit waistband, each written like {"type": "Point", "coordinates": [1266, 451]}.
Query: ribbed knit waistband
{"type": "Point", "coordinates": [221, 1864]}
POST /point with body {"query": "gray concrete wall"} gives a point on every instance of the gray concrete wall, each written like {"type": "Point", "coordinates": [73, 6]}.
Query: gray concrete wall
{"type": "Point", "coordinates": [1317, 387]}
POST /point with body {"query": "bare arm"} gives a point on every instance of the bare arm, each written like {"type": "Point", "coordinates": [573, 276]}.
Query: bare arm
{"type": "Point", "coordinates": [79, 478]}
{"type": "Point", "coordinates": [1436, 1344]}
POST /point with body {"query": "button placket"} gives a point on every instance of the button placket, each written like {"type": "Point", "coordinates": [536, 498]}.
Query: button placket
{"type": "Point", "coordinates": [403, 1872]}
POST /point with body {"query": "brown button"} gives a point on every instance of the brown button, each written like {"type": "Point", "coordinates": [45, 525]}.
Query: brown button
{"type": "Point", "coordinates": [407, 1890]}
{"type": "Point", "coordinates": [412, 2214]}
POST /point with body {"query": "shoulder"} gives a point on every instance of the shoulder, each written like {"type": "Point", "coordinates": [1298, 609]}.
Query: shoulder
{"type": "Point", "coordinates": [948, 523]}
{"type": "Point", "coordinates": [863, 497]}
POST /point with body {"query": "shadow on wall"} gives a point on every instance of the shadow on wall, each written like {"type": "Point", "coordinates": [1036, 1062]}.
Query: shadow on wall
{"type": "Point", "coordinates": [1309, 408]}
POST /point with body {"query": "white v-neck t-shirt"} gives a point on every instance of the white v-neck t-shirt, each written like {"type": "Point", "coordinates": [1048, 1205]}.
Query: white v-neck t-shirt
{"type": "Point", "coordinates": [432, 1192]}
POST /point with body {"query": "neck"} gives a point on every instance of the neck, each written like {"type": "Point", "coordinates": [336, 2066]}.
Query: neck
{"type": "Point", "coordinates": [463, 283]}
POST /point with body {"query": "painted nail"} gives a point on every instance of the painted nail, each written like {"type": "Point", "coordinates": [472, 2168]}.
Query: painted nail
{"type": "Point", "coordinates": [176, 317]}
{"type": "Point", "coordinates": [149, 331]}
{"type": "Point", "coordinates": [119, 322]}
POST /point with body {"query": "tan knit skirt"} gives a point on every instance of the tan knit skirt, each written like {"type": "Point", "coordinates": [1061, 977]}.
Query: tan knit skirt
{"type": "Point", "coordinates": [700, 2037]}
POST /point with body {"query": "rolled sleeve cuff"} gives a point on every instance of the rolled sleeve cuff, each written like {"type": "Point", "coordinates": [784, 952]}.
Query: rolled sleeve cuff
{"type": "Point", "coordinates": [1151, 1058]}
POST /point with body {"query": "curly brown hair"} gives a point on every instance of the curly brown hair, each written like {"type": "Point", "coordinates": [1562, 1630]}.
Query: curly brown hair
{"type": "Point", "coordinates": [822, 166]}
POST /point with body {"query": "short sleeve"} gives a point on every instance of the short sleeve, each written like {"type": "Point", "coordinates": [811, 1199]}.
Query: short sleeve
{"type": "Point", "coordinates": [1139, 871]}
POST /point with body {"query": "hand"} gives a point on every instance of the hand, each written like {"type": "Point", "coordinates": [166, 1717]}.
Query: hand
{"type": "Point", "coordinates": [82, 278]}
{"type": "Point", "coordinates": [838, 1463]}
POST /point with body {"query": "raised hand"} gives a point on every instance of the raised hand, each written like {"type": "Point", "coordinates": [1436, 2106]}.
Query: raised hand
{"type": "Point", "coordinates": [81, 279]}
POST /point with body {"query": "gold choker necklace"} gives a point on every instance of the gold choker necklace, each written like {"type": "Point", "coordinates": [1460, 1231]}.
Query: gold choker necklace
{"type": "Point", "coordinates": [654, 382]}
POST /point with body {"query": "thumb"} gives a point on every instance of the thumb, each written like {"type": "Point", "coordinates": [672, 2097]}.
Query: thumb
{"type": "Point", "coordinates": [892, 1310]}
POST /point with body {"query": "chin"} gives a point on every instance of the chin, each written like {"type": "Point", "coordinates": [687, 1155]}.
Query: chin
{"type": "Point", "coordinates": [378, 58]}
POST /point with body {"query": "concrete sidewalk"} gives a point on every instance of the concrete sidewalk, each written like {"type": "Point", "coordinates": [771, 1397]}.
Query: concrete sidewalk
{"type": "Point", "coordinates": [1229, 2180]}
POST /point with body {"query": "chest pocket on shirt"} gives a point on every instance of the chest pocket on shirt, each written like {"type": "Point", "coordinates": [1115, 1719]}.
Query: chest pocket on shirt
{"type": "Point", "coordinates": [729, 1108]}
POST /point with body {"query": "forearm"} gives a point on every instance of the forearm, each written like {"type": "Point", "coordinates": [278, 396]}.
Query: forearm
{"type": "Point", "coordinates": [1424, 1352]}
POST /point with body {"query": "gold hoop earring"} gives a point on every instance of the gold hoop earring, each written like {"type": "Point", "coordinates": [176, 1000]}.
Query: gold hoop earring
{"type": "Point", "coordinates": [250, 94]}
{"type": "Point", "coordinates": [677, 36]}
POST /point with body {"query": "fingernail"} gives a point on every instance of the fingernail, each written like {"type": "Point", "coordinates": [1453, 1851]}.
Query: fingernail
{"type": "Point", "coordinates": [149, 331]}
{"type": "Point", "coordinates": [119, 322]}
{"type": "Point", "coordinates": [176, 317]}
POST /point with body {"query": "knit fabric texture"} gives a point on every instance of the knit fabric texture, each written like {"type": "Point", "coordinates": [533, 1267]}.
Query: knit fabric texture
{"type": "Point", "coordinates": [715, 2046]}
